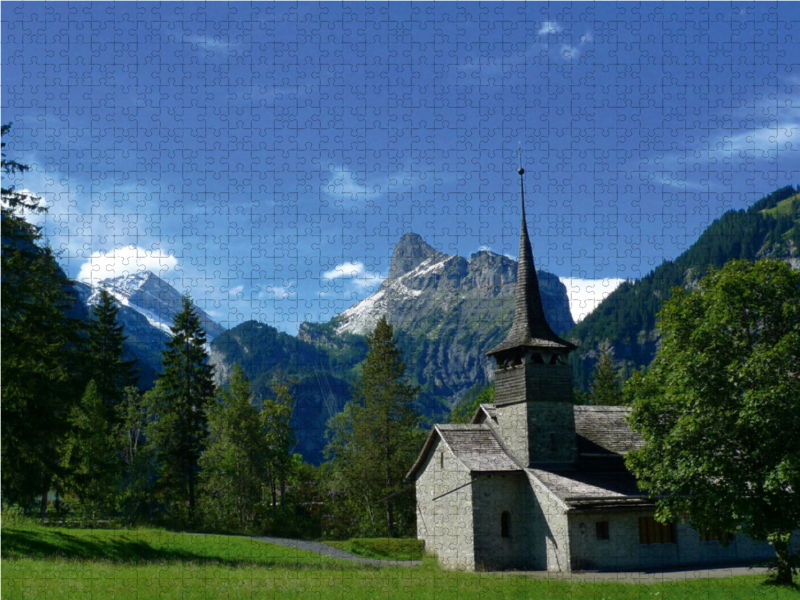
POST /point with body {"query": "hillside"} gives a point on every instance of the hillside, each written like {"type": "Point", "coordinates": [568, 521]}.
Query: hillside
{"type": "Point", "coordinates": [770, 228]}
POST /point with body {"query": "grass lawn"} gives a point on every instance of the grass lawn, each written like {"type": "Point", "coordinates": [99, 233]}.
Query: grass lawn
{"type": "Point", "coordinates": [383, 548]}
{"type": "Point", "coordinates": [148, 564]}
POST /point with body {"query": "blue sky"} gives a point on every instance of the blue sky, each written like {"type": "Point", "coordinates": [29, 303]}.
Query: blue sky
{"type": "Point", "coordinates": [266, 158]}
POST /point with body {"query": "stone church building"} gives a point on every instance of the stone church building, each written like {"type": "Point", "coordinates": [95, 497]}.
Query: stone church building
{"type": "Point", "coordinates": [537, 483]}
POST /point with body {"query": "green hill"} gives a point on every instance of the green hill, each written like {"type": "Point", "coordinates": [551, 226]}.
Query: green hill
{"type": "Point", "coordinates": [626, 319]}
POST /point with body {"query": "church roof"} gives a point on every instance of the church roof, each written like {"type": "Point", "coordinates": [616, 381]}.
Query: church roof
{"type": "Point", "coordinates": [530, 327]}
{"type": "Point", "coordinates": [603, 430]}
{"type": "Point", "coordinates": [475, 446]}
{"type": "Point", "coordinates": [600, 429]}
{"type": "Point", "coordinates": [592, 490]}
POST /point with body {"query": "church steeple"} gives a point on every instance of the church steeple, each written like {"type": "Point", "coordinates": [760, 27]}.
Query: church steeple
{"type": "Point", "coordinates": [530, 328]}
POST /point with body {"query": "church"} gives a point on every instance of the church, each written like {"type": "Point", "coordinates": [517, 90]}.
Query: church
{"type": "Point", "coordinates": [537, 483]}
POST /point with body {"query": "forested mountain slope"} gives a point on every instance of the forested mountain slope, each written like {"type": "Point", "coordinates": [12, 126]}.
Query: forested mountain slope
{"type": "Point", "coordinates": [626, 319]}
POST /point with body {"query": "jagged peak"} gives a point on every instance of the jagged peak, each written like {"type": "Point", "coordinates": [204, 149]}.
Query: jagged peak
{"type": "Point", "coordinates": [411, 251]}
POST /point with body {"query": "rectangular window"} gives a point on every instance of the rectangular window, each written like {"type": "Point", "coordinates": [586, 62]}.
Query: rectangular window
{"type": "Point", "coordinates": [601, 529]}
{"type": "Point", "coordinates": [653, 532]}
{"type": "Point", "coordinates": [714, 536]}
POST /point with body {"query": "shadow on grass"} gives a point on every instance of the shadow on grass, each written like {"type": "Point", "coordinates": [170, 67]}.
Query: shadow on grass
{"type": "Point", "coordinates": [124, 549]}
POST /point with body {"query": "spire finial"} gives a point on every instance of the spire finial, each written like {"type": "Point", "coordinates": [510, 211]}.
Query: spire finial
{"type": "Point", "coordinates": [519, 153]}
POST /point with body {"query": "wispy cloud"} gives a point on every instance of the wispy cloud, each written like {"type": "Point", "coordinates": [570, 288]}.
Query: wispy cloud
{"type": "Point", "coordinates": [548, 28]}
{"type": "Point", "coordinates": [278, 292]}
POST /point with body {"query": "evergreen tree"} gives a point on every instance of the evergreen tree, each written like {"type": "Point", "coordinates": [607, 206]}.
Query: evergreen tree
{"type": "Point", "coordinates": [605, 389]}
{"type": "Point", "coordinates": [178, 405]}
{"type": "Point", "coordinates": [234, 465]}
{"type": "Point", "coordinates": [111, 374]}
{"type": "Point", "coordinates": [276, 416]}
{"type": "Point", "coordinates": [374, 441]}
{"type": "Point", "coordinates": [135, 455]}
{"type": "Point", "coordinates": [88, 455]}
{"type": "Point", "coordinates": [41, 372]}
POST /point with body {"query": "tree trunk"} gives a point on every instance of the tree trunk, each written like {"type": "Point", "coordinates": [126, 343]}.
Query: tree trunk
{"type": "Point", "coordinates": [191, 493]}
{"type": "Point", "coordinates": [43, 507]}
{"type": "Point", "coordinates": [283, 487]}
{"type": "Point", "coordinates": [781, 543]}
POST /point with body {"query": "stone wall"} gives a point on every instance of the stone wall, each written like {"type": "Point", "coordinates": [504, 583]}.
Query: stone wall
{"type": "Point", "coordinates": [550, 542]}
{"type": "Point", "coordinates": [446, 524]}
{"type": "Point", "coordinates": [493, 494]}
{"type": "Point", "coordinates": [623, 551]}
{"type": "Point", "coordinates": [538, 432]}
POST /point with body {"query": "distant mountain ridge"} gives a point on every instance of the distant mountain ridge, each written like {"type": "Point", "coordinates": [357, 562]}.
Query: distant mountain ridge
{"type": "Point", "coordinates": [447, 311]}
{"type": "Point", "coordinates": [626, 319]}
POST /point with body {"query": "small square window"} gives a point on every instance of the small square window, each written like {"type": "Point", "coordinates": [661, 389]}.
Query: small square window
{"type": "Point", "coordinates": [601, 530]}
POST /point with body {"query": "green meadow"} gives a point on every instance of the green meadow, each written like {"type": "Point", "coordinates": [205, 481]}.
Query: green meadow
{"type": "Point", "coordinates": [145, 564]}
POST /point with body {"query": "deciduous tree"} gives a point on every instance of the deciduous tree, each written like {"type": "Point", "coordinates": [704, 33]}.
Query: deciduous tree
{"type": "Point", "coordinates": [720, 409]}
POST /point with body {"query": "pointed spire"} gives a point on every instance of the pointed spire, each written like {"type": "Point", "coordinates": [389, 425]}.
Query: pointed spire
{"type": "Point", "coordinates": [530, 327]}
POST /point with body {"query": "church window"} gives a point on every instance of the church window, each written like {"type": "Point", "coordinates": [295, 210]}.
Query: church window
{"type": "Point", "coordinates": [653, 532]}
{"type": "Point", "coordinates": [714, 536]}
{"type": "Point", "coordinates": [441, 460]}
{"type": "Point", "coordinates": [505, 524]}
{"type": "Point", "coordinates": [601, 530]}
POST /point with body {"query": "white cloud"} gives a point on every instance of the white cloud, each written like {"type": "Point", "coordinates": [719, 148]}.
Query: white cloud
{"type": "Point", "coordinates": [586, 294]}
{"type": "Point", "coordinates": [356, 272]}
{"type": "Point", "coordinates": [348, 269]}
{"type": "Point", "coordinates": [549, 27]}
{"type": "Point", "coordinates": [124, 261]}
{"type": "Point", "coordinates": [235, 291]}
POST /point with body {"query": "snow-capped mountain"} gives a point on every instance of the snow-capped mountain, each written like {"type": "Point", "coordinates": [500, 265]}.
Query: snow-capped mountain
{"type": "Point", "coordinates": [148, 306]}
{"type": "Point", "coordinates": [153, 298]}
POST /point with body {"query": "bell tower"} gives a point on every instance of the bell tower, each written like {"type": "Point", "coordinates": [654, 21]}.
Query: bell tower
{"type": "Point", "coordinates": [533, 395]}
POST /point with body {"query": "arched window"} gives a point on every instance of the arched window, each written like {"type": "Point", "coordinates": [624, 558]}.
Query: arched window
{"type": "Point", "coordinates": [505, 524]}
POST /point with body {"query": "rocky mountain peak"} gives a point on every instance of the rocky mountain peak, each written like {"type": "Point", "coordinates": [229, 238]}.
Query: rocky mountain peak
{"type": "Point", "coordinates": [411, 251]}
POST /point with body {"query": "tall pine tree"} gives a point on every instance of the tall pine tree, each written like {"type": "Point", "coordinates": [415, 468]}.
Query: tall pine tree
{"type": "Point", "coordinates": [605, 389]}
{"type": "Point", "coordinates": [111, 373]}
{"type": "Point", "coordinates": [41, 348]}
{"type": "Point", "coordinates": [178, 405]}
{"type": "Point", "coordinates": [374, 441]}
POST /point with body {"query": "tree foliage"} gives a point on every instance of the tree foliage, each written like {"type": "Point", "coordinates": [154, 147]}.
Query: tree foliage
{"type": "Point", "coordinates": [106, 336]}
{"type": "Point", "coordinates": [374, 442]}
{"type": "Point", "coordinates": [89, 456]}
{"type": "Point", "coordinates": [41, 371]}
{"type": "Point", "coordinates": [720, 409]}
{"type": "Point", "coordinates": [235, 463]}
{"type": "Point", "coordinates": [470, 401]}
{"type": "Point", "coordinates": [178, 404]}
{"type": "Point", "coordinates": [136, 457]}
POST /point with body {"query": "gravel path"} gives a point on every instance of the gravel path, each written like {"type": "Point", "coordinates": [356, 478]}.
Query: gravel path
{"type": "Point", "coordinates": [326, 550]}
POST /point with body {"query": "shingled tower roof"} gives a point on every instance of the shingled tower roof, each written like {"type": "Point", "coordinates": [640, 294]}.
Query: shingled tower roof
{"type": "Point", "coordinates": [530, 327]}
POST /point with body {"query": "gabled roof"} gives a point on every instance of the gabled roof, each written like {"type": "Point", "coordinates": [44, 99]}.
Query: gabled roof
{"type": "Point", "coordinates": [475, 447]}
{"type": "Point", "coordinates": [483, 413]}
{"type": "Point", "coordinates": [603, 430]}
